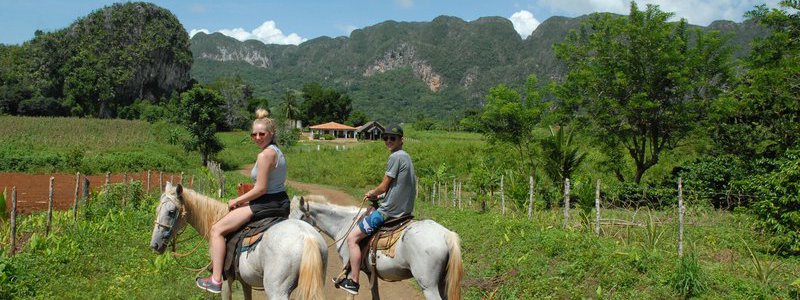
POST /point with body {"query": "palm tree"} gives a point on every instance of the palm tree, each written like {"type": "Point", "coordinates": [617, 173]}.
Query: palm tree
{"type": "Point", "coordinates": [561, 157]}
{"type": "Point", "coordinates": [291, 107]}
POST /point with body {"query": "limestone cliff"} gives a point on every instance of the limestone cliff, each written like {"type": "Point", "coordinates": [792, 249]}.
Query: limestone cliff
{"type": "Point", "coordinates": [404, 56]}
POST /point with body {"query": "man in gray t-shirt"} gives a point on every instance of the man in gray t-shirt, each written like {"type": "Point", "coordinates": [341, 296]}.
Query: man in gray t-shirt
{"type": "Point", "coordinates": [399, 186]}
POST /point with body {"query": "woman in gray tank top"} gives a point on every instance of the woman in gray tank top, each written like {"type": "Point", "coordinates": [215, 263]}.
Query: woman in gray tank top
{"type": "Point", "coordinates": [267, 198]}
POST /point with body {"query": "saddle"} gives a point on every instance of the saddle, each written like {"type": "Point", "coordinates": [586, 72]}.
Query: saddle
{"type": "Point", "coordinates": [246, 238]}
{"type": "Point", "coordinates": [383, 240]}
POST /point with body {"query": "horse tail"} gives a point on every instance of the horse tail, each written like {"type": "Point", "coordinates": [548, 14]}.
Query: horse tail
{"type": "Point", "coordinates": [311, 271]}
{"type": "Point", "coordinates": [455, 269]}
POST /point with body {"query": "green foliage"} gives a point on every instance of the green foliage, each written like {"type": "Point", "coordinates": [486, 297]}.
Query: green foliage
{"type": "Point", "coordinates": [106, 59]}
{"type": "Point", "coordinates": [357, 118]}
{"type": "Point", "coordinates": [777, 203]}
{"type": "Point", "coordinates": [89, 145]}
{"type": "Point", "coordinates": [201, 114]}
{"type": "Point", "coordinates": [237, 97]}
{"type": "Point", "coordinates": [322, 105]}
{"type": "Point", "coordinates": [10, 285]}
{"type": "Point", "coordinates": [688, 279]}
{"type": "Point", "coordinates": [3, 198]}
{"type": "Point", "coordinates": [760, 116]}
{"type": "Point", "coordinates": [507, 121]}
{"type": "Point", "coordinates": [761, 270]}
{"type": "Point", "coordinates": [560, 156]}
{"type": "Point", "coordinates": [640, 82]}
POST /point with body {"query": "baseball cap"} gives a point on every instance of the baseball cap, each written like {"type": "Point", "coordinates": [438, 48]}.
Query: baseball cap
{"type": "Point", "coordinates": [394, 129]}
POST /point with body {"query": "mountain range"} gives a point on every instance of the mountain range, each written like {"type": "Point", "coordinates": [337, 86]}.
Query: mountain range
{"type": "Point", "coordinates": [406, 71]}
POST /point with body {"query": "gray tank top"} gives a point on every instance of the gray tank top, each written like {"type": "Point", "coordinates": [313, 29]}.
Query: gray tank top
{"type": "Point", "coordinates": [277, 178]}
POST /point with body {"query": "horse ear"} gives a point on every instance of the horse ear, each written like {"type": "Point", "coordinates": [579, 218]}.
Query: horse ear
{"type": "Point", "coordinates": [179, 190]}
{"type": "Point", "coordinates": [168, 186]}
{"type": "Point", "coordinates": [302, 202]}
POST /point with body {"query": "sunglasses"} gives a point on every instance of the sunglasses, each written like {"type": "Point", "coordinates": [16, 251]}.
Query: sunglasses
{"type": "Point", "coordinates": [258, 134]}
{"type": "Point", "coordinates": [389, 138]}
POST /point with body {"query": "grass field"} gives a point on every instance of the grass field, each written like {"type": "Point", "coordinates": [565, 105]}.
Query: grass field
{"type": "Point", "coordinates": [105, 253]}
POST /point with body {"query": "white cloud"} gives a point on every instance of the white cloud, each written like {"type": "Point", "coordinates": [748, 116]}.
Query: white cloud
{"type": "Point", "coordinates": [695, 12]}
{"type": "Point", "coordinates": [267, 33]}
{"type": "Point", "coordinates": [524, 23]}
{"type": "Point", "coordinates": [404, 3]}
{"type": "Point", "coordinates": [195, 31]}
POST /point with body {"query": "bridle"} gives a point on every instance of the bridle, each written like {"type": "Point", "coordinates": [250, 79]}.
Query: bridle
{"type": "Point", "coordinates": [170, 227]}
{"type": "Point", "coordinates": [174, 222]}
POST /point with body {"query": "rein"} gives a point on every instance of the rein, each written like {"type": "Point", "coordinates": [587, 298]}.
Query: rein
{"type": "Point", "coordinates": [352, 224]}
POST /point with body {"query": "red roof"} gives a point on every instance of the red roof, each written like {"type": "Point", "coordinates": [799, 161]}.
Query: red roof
{"type": "Point", "coordinates": [332, 126]}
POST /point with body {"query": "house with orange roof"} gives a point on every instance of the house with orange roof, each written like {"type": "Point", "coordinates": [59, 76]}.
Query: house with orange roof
{"type": "Point", "coordinates": [339, 131]}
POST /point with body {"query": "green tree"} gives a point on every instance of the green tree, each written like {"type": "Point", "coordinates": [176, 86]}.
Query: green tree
{"type": "Point", "coordinates": [640, 81]}
{"type": "Point", "coordinates": [237, 94]}
{"type": "Point", "coordinates": [761, 116]}
{"type": "Point", "coordinates": [357, 118]}
{"type": "Point", "coordinates": [291, 110]}
{"type": "Point", "coordinates": [202, 114]}
{"type": "Point", "coordinates": [322, 105]}
{"type": "Point", "coordinates": [560, 156]}
{"type": "Point", "coordinates": [505, 120]}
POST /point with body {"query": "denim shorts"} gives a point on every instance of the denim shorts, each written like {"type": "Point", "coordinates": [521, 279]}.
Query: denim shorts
{"type": "Point", "coordinates": [371, 222]}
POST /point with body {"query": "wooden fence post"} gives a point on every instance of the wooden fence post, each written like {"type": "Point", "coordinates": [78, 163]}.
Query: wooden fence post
{"type": "Point", "coordinates": [160, 182]}
{"type": "Point", "coordinates": [125, 182]}
{"type": "Point", "coordinates": [77, 190]}
{"type": "Point", "coordinates": [148, 181]}
{"type": "Point", "coordinates": [50, 207]}
{"type": "Point", "coordinates": [85, 197]}
{"type": "Point", "coordinates": [460, 186]}
{"type": "Point", "coordinates": [433, 193]}
{"type": "Point", "coordinates": [108, 182]}
{"type": "Point", "coordinates": [502, 196]}
{"type": "Point", "coordinates": [181, 178]}
{"type": "Point", "coordinates": [455, 191]}
{"type": "Point", "coordinates": [530, 198]}
{"type": "Point", "coordinates": [566, 203]}
{"type": "Point", "coordinates": [191, 182]}
{"type": "Point", "coordinates": [597, 208]}
{"type": "Point", "coordinates": [681, 211]}
{"type": "Point", "coordinates": [416, 191]}
{"type": "Point", "coordinates": [13, 237]}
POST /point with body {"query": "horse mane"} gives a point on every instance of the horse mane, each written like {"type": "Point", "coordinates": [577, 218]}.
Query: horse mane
{"type": "Point", "coordinates": [202, 211]}
{"type": "Point", "coordinates": [323, 201]}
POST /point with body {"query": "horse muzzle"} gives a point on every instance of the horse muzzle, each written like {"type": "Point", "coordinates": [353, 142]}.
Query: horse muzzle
{"type": "Point", "coordinates": [158, 247]}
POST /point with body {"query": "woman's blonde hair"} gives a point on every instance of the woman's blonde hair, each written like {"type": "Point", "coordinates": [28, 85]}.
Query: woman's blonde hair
{"type": "Point", "coordinates": [262, 117]}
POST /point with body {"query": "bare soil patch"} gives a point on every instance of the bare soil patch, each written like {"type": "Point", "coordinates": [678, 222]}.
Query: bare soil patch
{"type": "Point", "coordinates": [33, 189]}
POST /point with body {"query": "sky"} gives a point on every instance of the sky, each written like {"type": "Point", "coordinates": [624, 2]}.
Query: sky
{"type": "Point", "coordinates": [296, 21]}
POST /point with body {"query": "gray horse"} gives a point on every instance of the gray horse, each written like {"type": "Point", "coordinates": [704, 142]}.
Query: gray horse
{"type": "Point", "coordinates": [292, 254]}
{"type": "Point", "coordinates": [426, 251]}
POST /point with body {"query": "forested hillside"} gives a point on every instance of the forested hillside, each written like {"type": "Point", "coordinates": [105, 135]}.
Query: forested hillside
{"type": "Point", "coordinates": [98, 65]}
{"type": "Point", "coordinates": [407, 71]}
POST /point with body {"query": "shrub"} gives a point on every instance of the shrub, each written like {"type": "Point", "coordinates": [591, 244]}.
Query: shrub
{"type": "Point", "coordinates": [709, 180]}
{"type": "Point", "coordinates": [688, 277]}
{"type": "Point", "coordinates": [777, 203]}
{"type": "Point", "coordinates": [10, 285]}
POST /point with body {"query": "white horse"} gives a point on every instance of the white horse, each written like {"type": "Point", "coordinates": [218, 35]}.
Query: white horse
{"type": "Point", "coordinates": [290, 255]}
{"type": "Point", "coordinates": [427, 251]}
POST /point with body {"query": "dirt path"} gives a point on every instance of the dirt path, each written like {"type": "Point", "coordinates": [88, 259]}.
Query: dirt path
{"type": "Point", "coordinates": [388, 290]}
